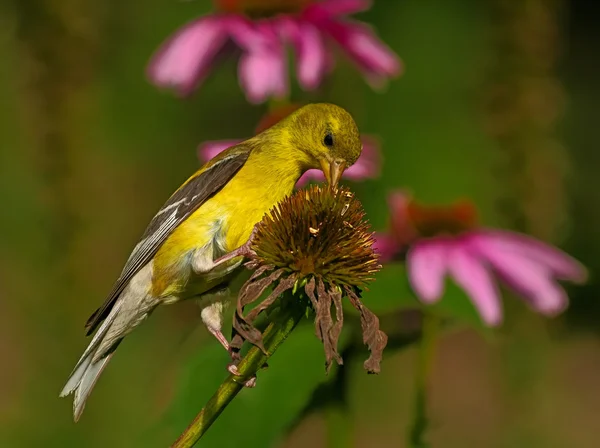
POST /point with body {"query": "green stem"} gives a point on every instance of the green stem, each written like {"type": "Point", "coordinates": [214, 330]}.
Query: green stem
{"type": "Point", "coordinates": [426, 352]}
{"type": "Point", "coordinates": [277, 331]}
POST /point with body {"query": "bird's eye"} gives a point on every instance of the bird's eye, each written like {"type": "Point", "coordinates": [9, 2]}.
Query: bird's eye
{"type": "Point", "coordinates": [328, 140]}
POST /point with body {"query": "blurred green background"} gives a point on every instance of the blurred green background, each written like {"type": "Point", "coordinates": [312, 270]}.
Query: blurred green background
{"type": "Point", "coordinates": [497, 104]}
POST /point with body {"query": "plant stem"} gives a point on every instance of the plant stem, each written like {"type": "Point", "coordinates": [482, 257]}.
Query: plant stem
{"type": "Point", "coordinates": [278, 330]}
{"type": "Point", "coordinates": [426, 351]}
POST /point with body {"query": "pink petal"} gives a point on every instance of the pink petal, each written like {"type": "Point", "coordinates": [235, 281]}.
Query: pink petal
{"type": "Point", "coordinates": [316, 175]}
{"type": "Point", "coordinates": [427, 263]}
{"type": "Point", "coordinates": [310, 50]}
{"type": "Point", "coordinates": [526, 276]}
{"type": "Point", "coordinates": [385, 245]}
{"type": "Point", "coordinates": [471, 274]}
{"type": "Point", "coordinates": [211, 148]}
{"type": "Point", "coordinates": [365, 49]}
{"type": "Point", "coordinates": [562, 265]}
{"type": "Point", "coordinates": [245, 33]}
{"type": "Point", "coordinates": [368, 165]}
{"type": "Point", "coordinates": [186, 57]}
{"type": "Point", "coordinates": [262, 75]}
{"type": "Point", "coordinates": [262, 70]}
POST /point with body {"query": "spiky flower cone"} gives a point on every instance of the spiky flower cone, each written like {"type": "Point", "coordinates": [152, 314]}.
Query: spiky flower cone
{"type": "Point", "coordinates": [316, 242]}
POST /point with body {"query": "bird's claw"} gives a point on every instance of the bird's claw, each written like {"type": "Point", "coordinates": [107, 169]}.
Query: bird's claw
{"type": "Point", "coordinates": [244, 250]}
{"type": "Point", "coordinates": [250, 382]}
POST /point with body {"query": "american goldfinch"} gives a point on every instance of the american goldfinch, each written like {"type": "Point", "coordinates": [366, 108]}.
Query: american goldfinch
{"type": "Point", "coordinates": [194, 244]}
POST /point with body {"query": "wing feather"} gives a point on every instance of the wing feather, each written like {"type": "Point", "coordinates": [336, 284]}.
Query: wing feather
{"type": "Point", "coordinates": [180, 205]}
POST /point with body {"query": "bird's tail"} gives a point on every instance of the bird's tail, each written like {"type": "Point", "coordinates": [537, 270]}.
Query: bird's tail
{"type": "Point", "coordinates": [91, 364]}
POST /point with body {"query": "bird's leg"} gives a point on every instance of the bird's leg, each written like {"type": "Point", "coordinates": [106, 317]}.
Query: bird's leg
{"type": "Point", "coordinates": [203, 263]}
{"type": "Point", "coordinates": [218, 334]}
{"type": "Point", "coordinates": [231, 367]}
{"type": "Point", "coordinates": [212, 316]}
{"type": "Point", "coordinates": [242, 251]}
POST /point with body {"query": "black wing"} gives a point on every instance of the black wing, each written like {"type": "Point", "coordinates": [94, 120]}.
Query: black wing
{"type": "Point", "coordinates": [180, 205]}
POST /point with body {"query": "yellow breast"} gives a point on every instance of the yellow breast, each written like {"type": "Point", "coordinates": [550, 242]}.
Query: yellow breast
{"type": "Point", "coordinates": [232, 213]}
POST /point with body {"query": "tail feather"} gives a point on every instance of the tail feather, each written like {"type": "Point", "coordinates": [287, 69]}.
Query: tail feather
{"type": "Point", "coordinates": [133, 305]}
{"type": "Point", "coordinates": [76, 377]}
{"type": "Point", "coordinates": [87, 370]}
{"type": "Point", "coordinates": [87, 383]}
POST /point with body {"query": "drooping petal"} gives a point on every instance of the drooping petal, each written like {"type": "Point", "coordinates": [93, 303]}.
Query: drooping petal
{"type": "Point", "coordinates": [471, 274]}
{"type": "Point", "coordinates": [386, 246]}
{"type": "Point", "coordinates": [261, 76]}
{"type": "Point", "coordinates": [427, 263]}
{"type": "Point", "coordinates": [209, 149]}
{"type": "Point", "coordinates": [245, 33]}
{"type": "Point", "coordinates": [186, 57]}
{"type": "Point", "coordinates": [375, 58]}
{"type": "Point", "coordinates": [562, 265]}
{"type": "Point", "coordinates": [262, 70]}
{"type": "Point", "coordinates": [526, 276]}
{"type": "Point", "coordinates": [311, 53]}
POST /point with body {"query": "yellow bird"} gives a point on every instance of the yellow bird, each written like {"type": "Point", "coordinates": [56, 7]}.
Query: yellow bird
{"type": "Point", "coordinates": [195, 243]}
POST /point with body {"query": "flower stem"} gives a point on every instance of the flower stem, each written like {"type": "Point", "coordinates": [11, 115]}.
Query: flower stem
{"type": "Point", "coordinates": [278, 330]}
{"type": "Point", "coordinates": [420, 421]}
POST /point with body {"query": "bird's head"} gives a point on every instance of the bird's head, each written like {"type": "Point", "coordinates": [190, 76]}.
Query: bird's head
{"type": "Point", "coordinates": [328, 137]}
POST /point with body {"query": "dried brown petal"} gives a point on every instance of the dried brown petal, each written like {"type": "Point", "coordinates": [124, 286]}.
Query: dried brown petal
{"type": "Point", "coordinates": [326, 330]}
{"type": "Point", "coordinates": [254, 288]}
{"type": "Point", "coordinates": [248, 332]}
{"type": "Point", "coordinates": [318, 236]}
{"type": "Point", "coordinates": [323, 324]}
{"type": "Point", "coordinates": [244, 324]}
{"type": "Point", "coordinates": [236, 344]}
{"type": "Point", "coordinates": [309, 289]}
{"type": "Point", "coordinates": [329, 338]}
{"type": "Point", "coordinates": [336, 330]}
{"type": "Point", "coordinates": [253, 264]}
{"type": "Point", "coordinates": [373, 337]}
{"type": "Point", "coordinates": [250, 292]}
{"type": "Point", "coordinates": [282, 286]}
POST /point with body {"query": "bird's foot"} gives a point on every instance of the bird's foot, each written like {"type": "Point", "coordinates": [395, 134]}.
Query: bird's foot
{"type": "Point", "coordinates": [250, 382]}
{"type": "Point", "coordinates": [232, 367]}
{"type": "Point", "coordinates": [244, 250]}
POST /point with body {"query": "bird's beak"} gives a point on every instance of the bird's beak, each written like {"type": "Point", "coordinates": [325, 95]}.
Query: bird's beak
{"type": "Point", "coordinates": [333, 170]}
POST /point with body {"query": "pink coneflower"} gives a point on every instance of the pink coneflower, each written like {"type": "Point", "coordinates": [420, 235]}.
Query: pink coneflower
{"type": "Point", "coordinates": [366, 167]}
{"type": "Point", "coordinates": [446, 241]}
{"type": "Point", "coordinates": [261, 29]}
